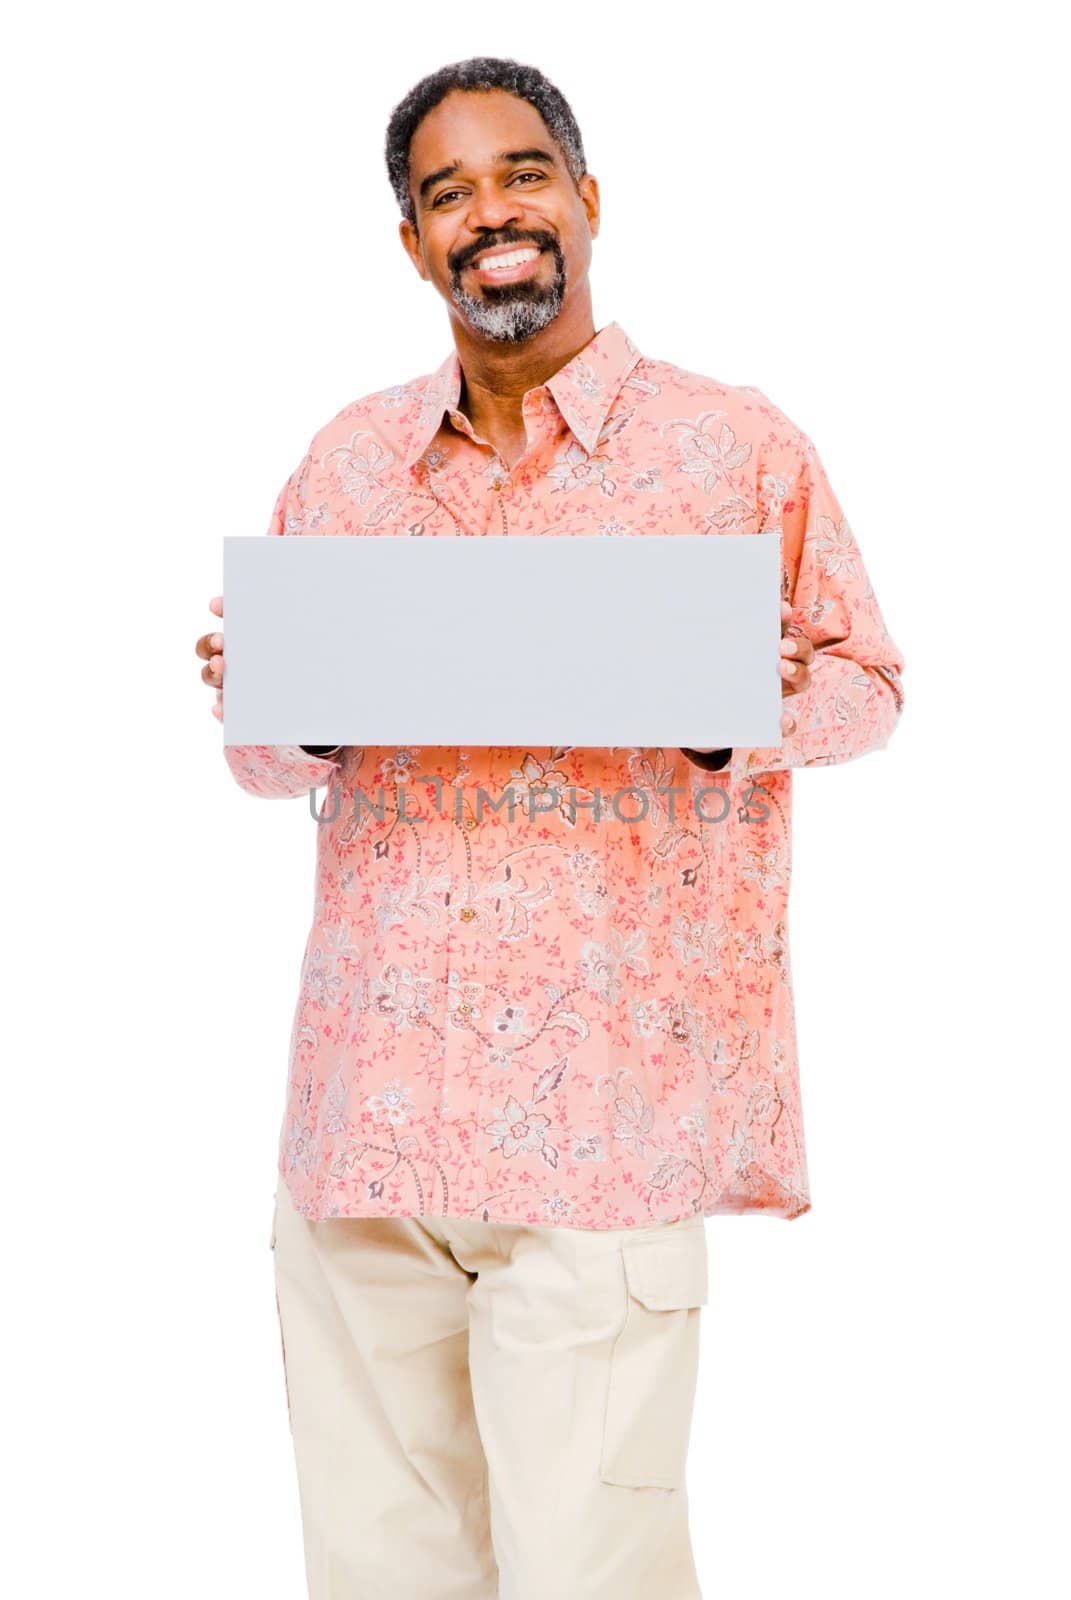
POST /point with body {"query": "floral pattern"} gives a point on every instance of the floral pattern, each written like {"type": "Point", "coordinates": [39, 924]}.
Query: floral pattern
{"type": "Point", "coordinates": [575, 1010]}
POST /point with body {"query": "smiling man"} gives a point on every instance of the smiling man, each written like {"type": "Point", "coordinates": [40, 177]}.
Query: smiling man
{"type": "Point", "coordinates": [536, 1046]}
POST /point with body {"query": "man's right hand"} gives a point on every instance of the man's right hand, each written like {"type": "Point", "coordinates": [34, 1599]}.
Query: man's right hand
{"type": "Point", "coordinates": [210, 650]}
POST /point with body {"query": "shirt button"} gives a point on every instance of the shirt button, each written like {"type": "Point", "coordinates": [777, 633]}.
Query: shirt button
{"type": "Point", "coordinates": [470, 822]}
{"type": "Point", "coordinates": [467, 915]}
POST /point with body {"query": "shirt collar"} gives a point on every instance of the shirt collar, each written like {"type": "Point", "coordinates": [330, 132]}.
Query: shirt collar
{"type": "Point", "coordinates": [584, 390]}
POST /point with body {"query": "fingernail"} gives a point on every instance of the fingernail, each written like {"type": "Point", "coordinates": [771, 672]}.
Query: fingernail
{"type": "Point", "coordinates": [216, 641]}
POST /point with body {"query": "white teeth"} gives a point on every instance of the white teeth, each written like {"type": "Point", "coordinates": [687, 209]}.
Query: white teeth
{"type": "Point", "coordinates": [503, 263]}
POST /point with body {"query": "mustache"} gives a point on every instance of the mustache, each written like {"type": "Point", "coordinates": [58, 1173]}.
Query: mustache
{"type": "Point", "coordinates": [541, 242]}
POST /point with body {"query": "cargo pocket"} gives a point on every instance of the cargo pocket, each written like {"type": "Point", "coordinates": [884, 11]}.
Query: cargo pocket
{"type": "Point", "coordinates": [654, 1360]}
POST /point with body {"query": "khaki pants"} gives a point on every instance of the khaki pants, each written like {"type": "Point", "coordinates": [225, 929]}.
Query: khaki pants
{"type": "Point", "coordinates": [485, 1411]}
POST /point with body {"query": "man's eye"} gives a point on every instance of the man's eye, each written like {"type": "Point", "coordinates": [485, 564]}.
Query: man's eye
{"type": "Point", "coordinates": [448, 192]}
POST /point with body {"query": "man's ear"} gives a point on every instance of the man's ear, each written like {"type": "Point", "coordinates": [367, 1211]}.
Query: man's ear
{"type": "Point", "coordinates": [589, 194]}
{"type": "Point", "coordinates": [411, 241]}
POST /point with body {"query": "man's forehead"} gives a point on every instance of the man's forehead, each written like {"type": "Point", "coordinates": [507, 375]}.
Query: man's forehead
{"type": "Point", "coordinates": [480, 133]}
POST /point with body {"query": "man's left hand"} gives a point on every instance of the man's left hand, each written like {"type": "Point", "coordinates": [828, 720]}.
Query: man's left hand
{"type": "Point", "coordinates": [797, 654]}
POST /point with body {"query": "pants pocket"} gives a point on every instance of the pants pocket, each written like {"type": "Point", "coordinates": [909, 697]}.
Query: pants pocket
{"type": "Point", "coordinates": [654, 1360]}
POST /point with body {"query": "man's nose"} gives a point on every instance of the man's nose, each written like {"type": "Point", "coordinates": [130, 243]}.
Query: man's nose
{"type": "Point", "coordinates": [491, 210]}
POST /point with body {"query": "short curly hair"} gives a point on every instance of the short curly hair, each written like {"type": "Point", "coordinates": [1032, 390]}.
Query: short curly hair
{"type": "Point", "coordinates": [479, 73]}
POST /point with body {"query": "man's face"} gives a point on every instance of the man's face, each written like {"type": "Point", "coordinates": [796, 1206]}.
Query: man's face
{"type": "Point", "coordinates": [509, 191]}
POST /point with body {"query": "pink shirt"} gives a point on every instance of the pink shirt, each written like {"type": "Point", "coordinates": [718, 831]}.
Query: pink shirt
{"type": "Point", "coordinates": [559, 1018]}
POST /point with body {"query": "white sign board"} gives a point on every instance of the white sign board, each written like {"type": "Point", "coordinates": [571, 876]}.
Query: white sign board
{"type": "Point", "coordinates": [661, 639]}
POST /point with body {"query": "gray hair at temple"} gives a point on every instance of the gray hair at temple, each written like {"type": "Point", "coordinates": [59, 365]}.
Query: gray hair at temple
{"type": "Point", "coordinates": [479, 73]}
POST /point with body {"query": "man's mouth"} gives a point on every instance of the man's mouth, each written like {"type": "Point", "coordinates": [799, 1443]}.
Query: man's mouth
{"type": "Point", "coordinates": [506, 266]}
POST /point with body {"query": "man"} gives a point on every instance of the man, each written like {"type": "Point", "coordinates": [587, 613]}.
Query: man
{"type": "Point", "coordinates": [536, 1046]}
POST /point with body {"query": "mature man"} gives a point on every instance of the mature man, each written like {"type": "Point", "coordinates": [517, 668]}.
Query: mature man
{"type": "Point", "coordinates": [536, 1046]}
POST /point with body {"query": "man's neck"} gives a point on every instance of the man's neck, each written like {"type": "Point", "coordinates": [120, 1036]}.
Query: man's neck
{"type": "Point", "coordinates": [496, 377]}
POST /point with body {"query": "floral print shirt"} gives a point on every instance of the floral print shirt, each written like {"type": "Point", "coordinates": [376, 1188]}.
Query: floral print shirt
{"type": "Point", "coordinates": [569, 1004]}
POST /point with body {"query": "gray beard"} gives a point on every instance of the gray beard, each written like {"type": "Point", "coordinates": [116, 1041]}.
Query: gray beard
{"type": "Point", "coordinates": [516, 312]}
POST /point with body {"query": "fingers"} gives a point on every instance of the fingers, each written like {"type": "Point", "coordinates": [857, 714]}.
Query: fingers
{"type": "Point", "coordinates": [797, 654]}
{"type": "Point", "coordinates": [795, 677]}
{"type": "Point", "coordinates": [209, 648]}
{"type": "Point", "coordinates": [796, 649]}
{"type": "Point", "coordinates": [210, 644]}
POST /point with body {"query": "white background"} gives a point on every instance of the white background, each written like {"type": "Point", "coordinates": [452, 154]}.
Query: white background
{"type": "Point", "coordinates": [855, 209]}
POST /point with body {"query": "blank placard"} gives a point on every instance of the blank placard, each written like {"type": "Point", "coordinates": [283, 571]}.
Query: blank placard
{"type": "Point", "coordinates": [661, 639]}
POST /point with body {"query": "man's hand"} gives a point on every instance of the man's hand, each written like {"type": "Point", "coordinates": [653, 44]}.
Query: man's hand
{"type": "Point", "coordinates": [797, 653]}
{"type": "Point", "coordinates": [210, 650]}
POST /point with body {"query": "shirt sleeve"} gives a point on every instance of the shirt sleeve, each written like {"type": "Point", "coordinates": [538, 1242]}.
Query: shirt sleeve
{"type": "Point", "coordinates": [278, 771]}
{"type": "Point", "coordinates": [855, 696]}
